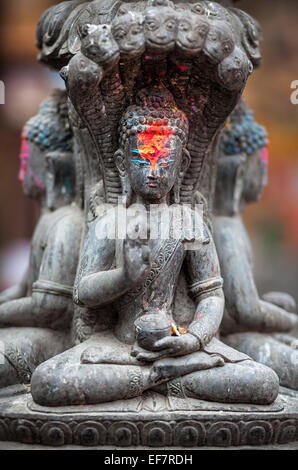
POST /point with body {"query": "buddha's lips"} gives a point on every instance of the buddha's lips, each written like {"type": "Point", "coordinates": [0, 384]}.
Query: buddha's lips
{"type": "Point", "coordinates": [24, 155]}
{"type": "Point", "coordinates": [152, 144]}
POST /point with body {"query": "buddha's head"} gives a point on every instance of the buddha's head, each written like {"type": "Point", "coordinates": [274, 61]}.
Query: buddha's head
{"type": "Point", "coordinates": [128, 31]}
{"type": "Point", "coordinates": [46, 152]}
{"type": "Point", "coordinates": [152, 158]}
{"type": "Point", "coordinates": [242, 166]}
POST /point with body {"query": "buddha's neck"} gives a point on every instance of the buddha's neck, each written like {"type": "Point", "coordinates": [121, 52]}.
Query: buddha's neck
{"type": "Point", "coordinates": [147, 204]}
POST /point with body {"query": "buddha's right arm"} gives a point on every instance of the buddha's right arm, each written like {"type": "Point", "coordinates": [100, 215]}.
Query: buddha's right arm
{"type": "Point", "coordinates": [102, 287]}
{"type": "Point", "coordinates": [108, 268]}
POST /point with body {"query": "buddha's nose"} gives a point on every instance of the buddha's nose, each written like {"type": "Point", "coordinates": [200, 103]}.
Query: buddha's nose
{"type": "Point", "coordinates": [153, 173]}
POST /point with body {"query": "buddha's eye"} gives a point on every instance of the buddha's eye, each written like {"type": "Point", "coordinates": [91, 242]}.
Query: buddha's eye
{"type": "Point", "coordinates": [170, 25]}
{"type": "Point", "coordinates": [165, 163]}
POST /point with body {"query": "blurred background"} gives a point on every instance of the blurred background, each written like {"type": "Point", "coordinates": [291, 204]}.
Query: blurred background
{"type": "Point", "coordinates": [272, 223]}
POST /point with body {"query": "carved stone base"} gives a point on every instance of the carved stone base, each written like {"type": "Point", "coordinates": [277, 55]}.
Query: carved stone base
{"type": "Point", "coordinates": [150, 421]}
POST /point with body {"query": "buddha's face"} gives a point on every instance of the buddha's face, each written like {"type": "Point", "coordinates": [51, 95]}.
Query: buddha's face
{"type": "Point", "coordinates": [192, 32]}
{"type": "Point", "coordinates": [160, 28]}
{"type": "Point", "coordinates": [256, 175]}
{"type": "Point", "coordinates": [219, 43]}
{"type": "Point", "coordinates": [129, 34]}
{"type": "Point", "coordinates": [153, 162]}
{"type": "Point", "coordinates": [32, 169]}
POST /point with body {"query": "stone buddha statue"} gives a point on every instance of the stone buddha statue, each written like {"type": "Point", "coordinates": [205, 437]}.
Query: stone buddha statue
{"type": "Point", "coordinates": [255, 325]}
{"type": "Point", "coordinates": [35, 318]}
{"type": "Point", "coordinates": [136, 274]}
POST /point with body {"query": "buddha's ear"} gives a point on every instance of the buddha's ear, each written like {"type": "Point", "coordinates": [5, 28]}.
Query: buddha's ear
{"type": "Point", "coordinates": [185, 162]}
{"type": "Point", "coordinates": [60, 178]}
{"type": "Point", "coordinates": [58, 162]}
{"type": "Point", "coordinates": [238, 184]}
{"type": "Point", "coordinates": [125, 183]}
{"type": "Point", "coordinates": [229, 184]}
{"type": "Point", "coordinates": [120, 162]}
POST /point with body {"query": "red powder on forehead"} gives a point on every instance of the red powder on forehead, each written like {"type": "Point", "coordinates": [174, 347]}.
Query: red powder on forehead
{"type": "Point", "coordinates": [24, 155]}
{"type": "Point", "coordinates": [152, 143]}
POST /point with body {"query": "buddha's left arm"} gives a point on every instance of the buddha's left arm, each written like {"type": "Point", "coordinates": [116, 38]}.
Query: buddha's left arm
{"type": "Point", "coordinates": [205, 284]}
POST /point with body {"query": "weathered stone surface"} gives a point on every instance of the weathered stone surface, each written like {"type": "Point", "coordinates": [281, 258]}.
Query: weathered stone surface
{"type": "Point", "coordinates": [127, 292]}
{"type": "Point", "coordinates": [150, 422]}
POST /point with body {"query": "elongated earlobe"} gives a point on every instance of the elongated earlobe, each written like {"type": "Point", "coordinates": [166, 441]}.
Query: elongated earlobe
{"type": "Point", "coordinates": [60, 179]}
{"type": "Point", "coordinates": [229, 185]}
{"type": "Point", "coordinates": [238, 189]}
{"type": "Point", "coordinates": [186, 159]}
{"type": "Point", "coordinates": [185, 162]}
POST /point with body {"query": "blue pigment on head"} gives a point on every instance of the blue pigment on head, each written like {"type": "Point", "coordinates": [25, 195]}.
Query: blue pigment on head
{"type": "Point", "coordinates": [50, 129]}
{"type": "Point", "coordinates": [247, 136]}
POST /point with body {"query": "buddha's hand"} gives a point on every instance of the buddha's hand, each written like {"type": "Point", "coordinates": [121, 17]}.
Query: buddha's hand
{"type": "Point", "coordinates": [170, 346]}
{"type": "Point", "coordinates": [136, 256]}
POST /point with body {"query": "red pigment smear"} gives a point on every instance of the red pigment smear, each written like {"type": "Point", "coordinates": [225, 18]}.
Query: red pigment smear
{"type": "Point", "coordinates": [152, 144]}
{"type": "Point", "coordinates": [24, 155]}
{"type": "Point", "coordinates": [265, 155]}
{"type": "Point", "coordinates": [182, 67]}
